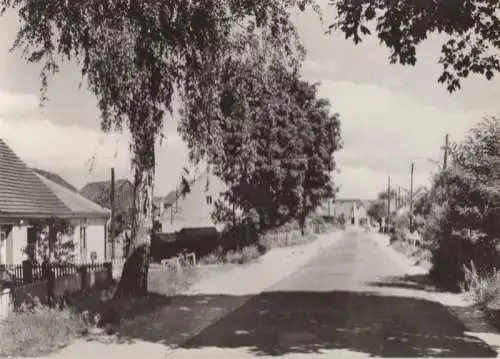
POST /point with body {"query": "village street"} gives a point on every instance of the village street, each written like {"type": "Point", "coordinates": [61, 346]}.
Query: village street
{"type": "Point", "coordinates": [350, 298]}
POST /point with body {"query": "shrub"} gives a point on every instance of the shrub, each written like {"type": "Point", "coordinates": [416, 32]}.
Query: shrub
{"type": "Point", "coordinates": [461, 208]}
{"type": "Point", "coordinates": [453, 251]}
{"type": "Point", "coordinates": [35, 329]}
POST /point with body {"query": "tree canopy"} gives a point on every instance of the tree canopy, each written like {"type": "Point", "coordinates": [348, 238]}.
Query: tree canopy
{"type": "Point", "coordinates": [134, 54]}
{"type": "Point", "coordinates": [471, 27]}
{"type": "Point", "coordinates": [275, 138]}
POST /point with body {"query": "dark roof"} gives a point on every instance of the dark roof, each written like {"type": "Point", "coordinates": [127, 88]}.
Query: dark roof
{"type": "Point", "coordinates": [95, 190]}
{"type": "Point", "coordinates": [170, 198]}
{"type": "Point", "coordinates": [22, 192]}
{"type": "Point", "coordinates": [54, 177]}
{"type": "Point", "coordinates": [175, 194]}
{"type": "Point", "coordinates": [79, 205]}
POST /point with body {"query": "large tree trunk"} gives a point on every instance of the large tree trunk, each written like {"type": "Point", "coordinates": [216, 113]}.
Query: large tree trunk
{"type": "Point", "coordinates": [134, 278]}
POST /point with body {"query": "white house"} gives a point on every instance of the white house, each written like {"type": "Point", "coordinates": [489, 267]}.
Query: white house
{"type": "Point", "coordinates": [26, 197]}
{"type": "Point", "coordinates": [192, 209]}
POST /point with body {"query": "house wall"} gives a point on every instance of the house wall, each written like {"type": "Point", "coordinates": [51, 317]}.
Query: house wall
{"type": "Point", "coordinates": [14, 244]}
{"type": "Point", "coordinates": [96, 240]}
{"type": "Point", "coordinates": [193, 209]}
{"type": "Point", "coordinates": [19, 236]}
{"type": "Point", "coordinates": [17, 240]}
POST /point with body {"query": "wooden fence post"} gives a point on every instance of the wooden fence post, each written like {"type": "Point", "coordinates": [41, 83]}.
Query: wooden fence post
{"type": "Point", "coordinates": [83, 277]}
{"type": "Point", "coordinates": [27, 272]}
{"type": "Point", "coordinates": [109, 272]}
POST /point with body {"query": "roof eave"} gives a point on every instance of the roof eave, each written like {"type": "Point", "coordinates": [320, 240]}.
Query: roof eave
{"type": "Point", "coordinates": [33, 215]}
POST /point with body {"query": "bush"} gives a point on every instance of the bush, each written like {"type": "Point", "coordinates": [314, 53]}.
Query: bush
{"type": "Point", "coordinates": [461, 208]}
{"type": "Point", "coordinates": [35, 330]}
{"type": "Point", "coordinates": [453, 251]}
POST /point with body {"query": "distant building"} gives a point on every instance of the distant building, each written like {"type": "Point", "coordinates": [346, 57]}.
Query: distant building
{"type": "Point", "coordinates": [354, 211]}
{"type": "Point", "coordinates": [193, 208]}
{"type": "Point", "coordinates": [100, 193]}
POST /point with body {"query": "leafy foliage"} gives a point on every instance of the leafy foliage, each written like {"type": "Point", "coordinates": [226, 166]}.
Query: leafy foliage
{"type": "Point", "coordinates": [271, 139]}
{"type": "Point", "coordinates": [461, 208]}
{"type": "Point", "coordinates": [472, 29]}
{"type": "Point", "coordinates": [134, 55]}
{"type": "Point", "coordinates": [62, 244]}
{"type": "Point", "coordinates": [377, 210]}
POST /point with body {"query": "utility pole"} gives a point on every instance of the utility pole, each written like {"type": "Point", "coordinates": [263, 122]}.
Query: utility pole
{"type": "Point", "coordinates": [388, 198]}
{"type": "Point", "coordinates": [112, 205]}
{"type": "Point", "coordinates": [399, 197]}
{"type": "Point", "coordinates": [445, 148]}
{"type": "Point", "coordinates": [411, 198]}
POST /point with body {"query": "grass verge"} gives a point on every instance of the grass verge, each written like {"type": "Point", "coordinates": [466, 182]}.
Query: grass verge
{"type": "Point", "coordinates": [247, 254]}
{"type": "Point", "coordinates": [35, 329]}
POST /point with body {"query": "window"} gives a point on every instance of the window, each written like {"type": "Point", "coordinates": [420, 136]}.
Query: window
{"type": "Point", "coordinates": [83, 235]}
{"type": "Point", "coordinates": [3, 238]}
{"type": "Point", "coordinates": [209, 199]}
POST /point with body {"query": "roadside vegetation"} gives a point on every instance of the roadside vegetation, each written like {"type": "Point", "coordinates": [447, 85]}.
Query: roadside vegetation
{"type": "Point", "coordinates": [35, 329]}
{"type": "Point", "coordinates": [457, 219]}
{"type": "Point", "coordinates": [287, 235]}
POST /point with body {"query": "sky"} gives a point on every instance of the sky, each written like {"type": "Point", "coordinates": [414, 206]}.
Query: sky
{"type": "Point", "coordinates": [390, 115]}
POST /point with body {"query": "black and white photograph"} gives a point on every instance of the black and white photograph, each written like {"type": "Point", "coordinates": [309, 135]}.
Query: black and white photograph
{"type": "Point", "coordinates": [204, 179]}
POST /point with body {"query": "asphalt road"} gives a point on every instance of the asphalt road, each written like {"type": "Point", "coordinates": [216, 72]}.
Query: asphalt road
{"type": "Point", "coordinates": [352, 300]}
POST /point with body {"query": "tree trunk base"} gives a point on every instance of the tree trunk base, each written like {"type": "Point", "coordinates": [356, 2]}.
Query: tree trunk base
{"type": "Point", "coordinates": [134, 278]}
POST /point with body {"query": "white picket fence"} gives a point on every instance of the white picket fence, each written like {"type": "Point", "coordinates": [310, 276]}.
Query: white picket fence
{"type": "Point", "coordinates": [174, 264]}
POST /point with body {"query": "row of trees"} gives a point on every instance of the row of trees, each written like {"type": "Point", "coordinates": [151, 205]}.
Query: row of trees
{"type": "Point", "coordinates": [136, 54]}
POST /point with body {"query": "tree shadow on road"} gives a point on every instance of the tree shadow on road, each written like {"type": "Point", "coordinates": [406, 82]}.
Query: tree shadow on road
{"type": "Point", "coordinates": [416, 282]}
{"type": "Point", "coordinates": [280, 323]}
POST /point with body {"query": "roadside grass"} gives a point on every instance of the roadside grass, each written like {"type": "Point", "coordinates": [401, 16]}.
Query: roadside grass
{"type": "Point", "coordinates": [480, 289]}
{"type": "Point", "coordinates": [38, 330]}
{"type": "Point", "coordinates": [288, 235]}
{"type": "Point", "coordinates": [247, 254]}
{"type": "Point", "coordinates": [422, 256]}
{"type": "Point", "coordinates": [35, 329]}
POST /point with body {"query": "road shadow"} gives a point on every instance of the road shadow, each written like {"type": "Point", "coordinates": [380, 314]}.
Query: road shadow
{"type": "Point", "coordinates": [416, 282]}
{"type": "Point", "coordinates": [280, 323]}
